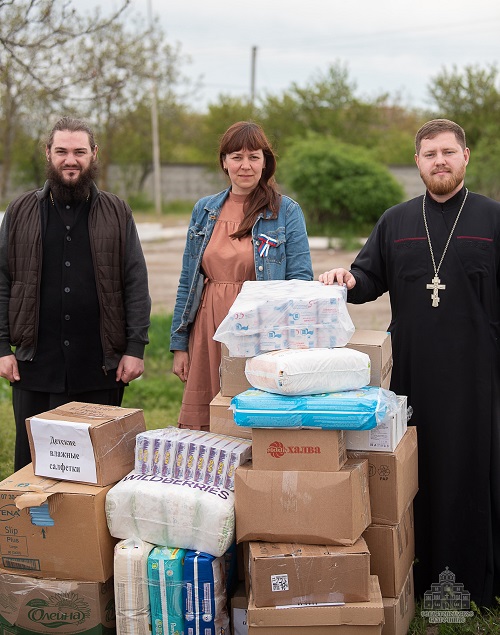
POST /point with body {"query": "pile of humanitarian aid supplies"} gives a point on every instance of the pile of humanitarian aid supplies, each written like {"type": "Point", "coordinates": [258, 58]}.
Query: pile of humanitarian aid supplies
{"type": "Point", "coordinates": [293, 514]}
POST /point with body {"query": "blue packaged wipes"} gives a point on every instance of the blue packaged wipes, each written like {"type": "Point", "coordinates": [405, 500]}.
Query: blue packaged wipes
{"type": "Point", "coordinates": [360, 409]}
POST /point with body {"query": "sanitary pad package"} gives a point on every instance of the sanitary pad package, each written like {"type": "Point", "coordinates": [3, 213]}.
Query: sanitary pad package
{"type": "Point", "coordinates": [131, 587]}
{"type": "Point", "coordinates": [205, 594]}
{"type": "Point", "coordinates": [277, 314]}
{"type": "Point", "coordinates": [359, 409]}
{"type": "Point", "coordinates": [190, 454]}
{"type": "Point", "coordinates": [308, 372]}
{"type": "Point", "coordinates": [165, 578]}
{"type": "Point", "coordinates": [167, 511]}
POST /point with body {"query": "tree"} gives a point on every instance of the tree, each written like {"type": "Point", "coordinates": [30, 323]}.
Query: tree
{"type": "Point", "coordinates": [470, 97]}
{"type": "Point", "coordinates": [338, 184]}
{"type": "Point", "coordinates": [37, 39]}
{"type": "Point", "coordinates": [484, 165]}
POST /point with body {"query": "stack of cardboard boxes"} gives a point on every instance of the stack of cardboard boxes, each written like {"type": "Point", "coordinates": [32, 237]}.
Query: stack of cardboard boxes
{"type": "Point", "coordinates": [302, 508]}
{"type": "Point", "coordinates": [56, 552]}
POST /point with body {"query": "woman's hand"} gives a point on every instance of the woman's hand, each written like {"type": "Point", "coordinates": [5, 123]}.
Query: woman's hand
{"type": "Point", "coordinates": [180, 366]}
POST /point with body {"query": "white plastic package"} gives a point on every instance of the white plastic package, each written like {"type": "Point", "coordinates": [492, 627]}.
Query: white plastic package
{"type": "Point", "coordinates": [278, 314]}
{"type": "Point", "coordinates": [167, 511]}
{"type": "Point", "coordinates": [133, 615]}
{"type": "Point", "coordinates": [308, 372]}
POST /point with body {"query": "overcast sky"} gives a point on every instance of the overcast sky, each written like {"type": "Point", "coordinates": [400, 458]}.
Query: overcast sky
{"type": "Point", "coordinates": [386, 45]}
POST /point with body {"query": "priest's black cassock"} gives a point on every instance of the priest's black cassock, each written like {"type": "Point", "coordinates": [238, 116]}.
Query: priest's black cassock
{"type": "Point", "coordinates": [446, 359]}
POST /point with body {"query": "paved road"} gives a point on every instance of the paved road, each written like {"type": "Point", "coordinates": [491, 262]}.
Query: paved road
{"type": "Point", "coordinates": [163, 248]}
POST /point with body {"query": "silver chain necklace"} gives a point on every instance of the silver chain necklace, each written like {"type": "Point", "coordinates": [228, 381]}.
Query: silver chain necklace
{"type": "Point", "coordinates": [436, 285]}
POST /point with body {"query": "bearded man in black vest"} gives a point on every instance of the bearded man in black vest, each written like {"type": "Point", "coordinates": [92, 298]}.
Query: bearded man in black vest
{"type": "Point", "coordinates": [74, 299]}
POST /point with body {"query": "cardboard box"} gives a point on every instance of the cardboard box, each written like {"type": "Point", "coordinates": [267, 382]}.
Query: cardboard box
{"type": "Point", "coordinates": [354, 618]}
{"type": "Point", "coordinates": [393, 478]}
{"type": "Point", "coordinates": [293, 573]}
{"type": "Point", "coordinates": [87, 443]}
{"type": "Point", "coordinates": [54, 529]}
{"type": "Point", "coordinates": [37, 606]}
{"type": "Point", "coordinates": [222, 419]}
{"type": "Point", "coordinates": [377, 345]}
{"type": "Point", "coordinates": [315, 508]}
{"type": "Point", "coordinates": [385, 436]}
{"type": "Point", "coordinates": [232, 374]}
{"type": "Point", "coordinates": [239, 609]}
{"type": "Point", "coordinates": [292, 449]}
{"type": "Point", "coordinates": [392, 549]}
{"type": "Point", "coordinates": [400, 611]}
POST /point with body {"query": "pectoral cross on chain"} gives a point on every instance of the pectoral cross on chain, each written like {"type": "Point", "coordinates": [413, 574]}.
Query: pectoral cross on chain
{"type": "Point", "coordinates": [435, 286]}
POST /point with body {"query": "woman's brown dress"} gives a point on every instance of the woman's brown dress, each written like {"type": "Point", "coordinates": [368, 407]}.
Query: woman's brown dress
{"type": "Point", "coordinates": [226, 263]}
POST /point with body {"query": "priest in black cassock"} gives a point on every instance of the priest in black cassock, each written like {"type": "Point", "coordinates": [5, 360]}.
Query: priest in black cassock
{"type": "Point", "coordinates": [438, 256]}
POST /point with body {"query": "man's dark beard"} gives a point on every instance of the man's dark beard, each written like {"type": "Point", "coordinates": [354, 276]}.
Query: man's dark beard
{"type": "Point", "coordinates": [73, 192]}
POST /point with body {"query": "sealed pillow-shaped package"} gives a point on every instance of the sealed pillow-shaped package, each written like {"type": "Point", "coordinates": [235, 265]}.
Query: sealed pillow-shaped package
{"type": "Point", "coordinates": [308, 371]}
{"type": "Point", "coordinates": [167, 511]}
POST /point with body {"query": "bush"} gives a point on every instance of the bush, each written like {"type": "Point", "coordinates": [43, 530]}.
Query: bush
{"type": "Point", "coordinates": [338, 185]}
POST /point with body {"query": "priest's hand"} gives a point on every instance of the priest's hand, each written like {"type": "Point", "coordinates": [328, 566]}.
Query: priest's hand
{"type": "Point", "coordinates": [339, 276]}
{"type": "Point", "coordinates": [180, 366]}
{"type": "Point", "coordinates": [129, 368]}
{"type": "Point", "coordinates": [9, 368]}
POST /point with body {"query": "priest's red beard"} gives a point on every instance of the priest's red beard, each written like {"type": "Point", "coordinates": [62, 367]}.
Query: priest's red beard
{"type": "Point", "coordinates": [442, 186]}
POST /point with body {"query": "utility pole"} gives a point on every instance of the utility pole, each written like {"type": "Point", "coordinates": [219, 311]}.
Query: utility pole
{"type": "Point", "coordinates": [155, 131]}
{"type": "Point", "coordinates": [252, 81]}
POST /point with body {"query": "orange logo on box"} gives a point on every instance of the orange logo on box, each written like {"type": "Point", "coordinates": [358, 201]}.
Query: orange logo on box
{"type": "Point", "coordinates": [276, 449]}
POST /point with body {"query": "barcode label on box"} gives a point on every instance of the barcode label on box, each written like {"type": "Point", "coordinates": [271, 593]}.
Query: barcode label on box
{"type": "Point", "coordinates": [279, 582]}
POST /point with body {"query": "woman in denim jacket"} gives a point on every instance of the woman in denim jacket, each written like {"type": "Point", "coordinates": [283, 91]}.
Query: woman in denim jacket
{"type": "Point", "coordinates": [247, 232]}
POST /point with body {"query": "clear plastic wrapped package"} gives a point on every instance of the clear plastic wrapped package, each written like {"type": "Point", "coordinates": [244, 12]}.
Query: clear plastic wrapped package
{"type": "Point", "coordinates": [278, 314]}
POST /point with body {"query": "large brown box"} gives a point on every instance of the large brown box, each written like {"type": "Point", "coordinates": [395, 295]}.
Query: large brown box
{"type": "Point", "coordinates": [232, 374]}
{"type": "Point", "coordinates": [222, 419]}
{"type": "Point", "coordinates": [112, 433]}
{"type": "Point", "coordinates": [311, 507]}
{"type": "Point", "coordinates": [37, 606]}
{"type": "Point", "coordinates": [293, 573]}
{"type": "Point", "coordinates": [392, 551]}
{"type": "Point", "coordinates": [298, 449]}
{"type": "Point", "coordinates": [354, 618]}
{"type": "Point", "coordinates": [70, 539]}
{"type": "Point", "coordinates": [393, 478]}
{"type": "Point", "coordinates": [377, 345]}
{"type": "Point", "coordinates": [400, 611]}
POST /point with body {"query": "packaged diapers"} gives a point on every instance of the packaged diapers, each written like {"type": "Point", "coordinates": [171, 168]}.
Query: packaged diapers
{"type": "Point", "coordinates": [360, 409]}
{"type": "Point", "coordinates": [205, 597]}
{"type": "Point", "coordinates": [309, 372]}
{"type": "Point", "coordinates": [131, 587]}
{"type": "Point", "coordinates": [166, 511]}
{"type": "Point", "coordinates": [165, 577]}
{"type": "Point", "coordinates": [278, 314]}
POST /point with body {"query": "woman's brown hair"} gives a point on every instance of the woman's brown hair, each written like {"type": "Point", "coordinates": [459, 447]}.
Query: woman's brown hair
{"type": "Point", "coordinates": [245, 135]}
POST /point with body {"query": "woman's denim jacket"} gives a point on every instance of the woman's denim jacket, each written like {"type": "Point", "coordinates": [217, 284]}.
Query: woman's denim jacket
{"type": "Point", "coordinates": [289, 259]}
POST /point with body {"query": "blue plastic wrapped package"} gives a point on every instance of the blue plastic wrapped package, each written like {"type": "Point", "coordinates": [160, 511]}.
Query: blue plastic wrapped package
{"type": "Point", "coordinates": [165, 580]}
{"type": "Point", "coordinates": [360, 409]}
{"type": "Point", "coordinates": [272, 315]}
{"type": "Point", "coordinates": [205, 596]}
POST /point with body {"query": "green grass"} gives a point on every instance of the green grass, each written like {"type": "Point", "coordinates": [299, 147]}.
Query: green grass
{"type": "Point", "coordinates": [159, 392]}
